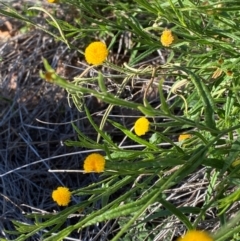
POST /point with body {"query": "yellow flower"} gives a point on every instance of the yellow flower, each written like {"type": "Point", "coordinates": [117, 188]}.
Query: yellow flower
{"type": "Point", "coordinates": [183, 137]}
{"type": "Point", "coordinates": [61, 196]}
{"type": "Point", "coordinates": [94, 163]}
{"type": "Point", "coordinates": [141, 126]}
{"type": "Point", "coordinates": [195, 235]}
{"type": "Point", "coordinates": [167, 38]}
{"type": "Point", "coordinates": [53, 1]}
{"type": "Point", "coordinates": [96, 53]}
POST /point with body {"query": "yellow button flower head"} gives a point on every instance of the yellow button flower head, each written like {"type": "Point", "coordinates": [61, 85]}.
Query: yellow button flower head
{"type": "Point", "coordinates": [195, 235]}
{"type": "Point", "coordinates": [94, 163]}
{"type": "Point", "coordinates": [167, 38]}
{"type": "Point", "coordinates": [183, 137]}
{"type": "Point", "coordinates": [141, 126]}
{"type": "Point", "coordinates": [61, 196]}
{"type": "Point", "coordinates": [96, 53]}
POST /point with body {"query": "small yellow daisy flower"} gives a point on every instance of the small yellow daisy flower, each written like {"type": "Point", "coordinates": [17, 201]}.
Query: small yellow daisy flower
{"type": "Point", "coordinates": [61, 196]}
{"type": "Point", "coordinates": [195, 235]}
{"type": "Point", "coordinates": [96, 53]}
{"type": "Point", "coordinates": [141, 126]}
{"type": "Point", "coordinates": [183, 137]}
{"type": "Point", "coordinates": [94, 163]}
{"type": "Point", "coordinates": [167, 38]}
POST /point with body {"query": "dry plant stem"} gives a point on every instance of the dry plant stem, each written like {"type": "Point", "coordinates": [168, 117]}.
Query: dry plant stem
{"type": "Point", "coordinates": [68, 122]}
{"type": "Point", "coordinates": [53, 19]}
{"type": "Point", "coordinates": [148, 86]}
{"type": "Point", "coordinates": [169, 172]}
{"type": "Point", "coordinates": [66, 171]}
{"type": "Point", "coordinates": [110, 107]}
{"type": "Point", "coordinates": [85, 71]}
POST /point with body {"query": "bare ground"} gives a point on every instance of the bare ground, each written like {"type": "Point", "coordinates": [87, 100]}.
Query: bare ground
{"type": "Point", "coordinates": [35, 118]}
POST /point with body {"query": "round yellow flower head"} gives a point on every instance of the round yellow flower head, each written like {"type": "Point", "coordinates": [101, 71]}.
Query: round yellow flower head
{"type": "Point", "coordinates": [61, 196]}
{"type": "Point", "coordinates": [195, 235]}
{"type": "Point", "coordinates": [183, 137]}
{"type": "Point", "coordinates": [96, 53]}
{"type": "Point", "coordinates": [141, 126]}
{"type": "Point", "coordinates": [167, 38]}
{"type": "Point", "coordinates": [94, 163]}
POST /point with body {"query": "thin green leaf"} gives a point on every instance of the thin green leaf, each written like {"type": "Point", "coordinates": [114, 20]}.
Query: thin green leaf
{"type": "Point", "coordinates": [164, 105]}
{"type": "Point", "coordinates": [133, 136]}
{"type": "Point", "coordinates": [206, 98]}
{"type": "Point", "coordinates": [176, 212]}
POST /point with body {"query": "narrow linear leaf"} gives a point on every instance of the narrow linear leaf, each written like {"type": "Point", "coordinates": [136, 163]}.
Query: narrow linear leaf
{"type": "Point", "coordinates": [101, 83]}
{"type": "Point", "coordinates": [104, 136]}
{"type": "Point", "coordinates": [233, 155]}
{"type": "Point", "coordinates": [164, 105]}
{"type": "Point", "coordinates": [176, 212]}
{"type": "Point", "coordinates": [133, 136]}
{"type": "Point", "coordinates": [151, 198]}
{"type": "Point", "coordinates": [205, 97]}
{"type": "Point", "coordinates": [121, 211]}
